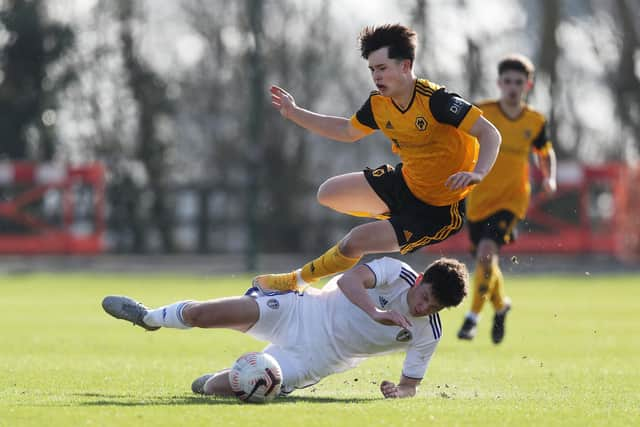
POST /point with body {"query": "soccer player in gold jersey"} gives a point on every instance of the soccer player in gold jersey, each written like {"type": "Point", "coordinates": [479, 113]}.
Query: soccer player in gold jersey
{"type": "Point", "coordinates": [495, 205]}
{"type": "Point", "coordinates": [444, 144]}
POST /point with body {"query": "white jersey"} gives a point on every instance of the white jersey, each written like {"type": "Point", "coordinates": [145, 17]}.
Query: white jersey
{"type": "Point", "coordinates": [333, 334]}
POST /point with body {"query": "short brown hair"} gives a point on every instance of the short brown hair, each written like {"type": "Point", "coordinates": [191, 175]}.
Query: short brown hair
{"type": "Point", "coordinates": [516, 62]}
{"type": "Point", "coordinates": [448, 278]}
{"type": "Point", "coordinates": [400, 40]}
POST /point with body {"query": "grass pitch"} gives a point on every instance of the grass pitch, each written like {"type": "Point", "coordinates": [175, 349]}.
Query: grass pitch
{"type": "Point", "coordinates": [571, 356]}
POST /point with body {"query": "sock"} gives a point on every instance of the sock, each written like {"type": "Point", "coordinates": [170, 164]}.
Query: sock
{"type": "Point", "coordinates": [169, 316]}
{"type": "Point", "coordinates": [473, 316]}
{"type": "Point", "coordinates": [497, 292]}
{"type": "Point", "coordinates": [331, 262]}
{"type": "Point", "coordinates": [481, 287]}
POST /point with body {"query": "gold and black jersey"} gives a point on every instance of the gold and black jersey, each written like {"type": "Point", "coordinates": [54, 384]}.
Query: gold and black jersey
{"type": "Point", "coordinates": [430, 136]}
{"type": "Point", "coordinates": [506, 186]}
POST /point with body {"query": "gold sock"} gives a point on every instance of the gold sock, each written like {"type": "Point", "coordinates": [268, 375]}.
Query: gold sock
{"type": "Point", "coordinates": [331, 262]}
{"type": "Point", "coordinates": [497, 288]}
{"type": "Point", "coordinates": [368, 215]}
{"type": "Point", "coordinates": [481, 287]}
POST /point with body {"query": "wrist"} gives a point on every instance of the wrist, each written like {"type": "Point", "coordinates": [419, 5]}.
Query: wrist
{"type": "Point", "coordinates": [372, 311]}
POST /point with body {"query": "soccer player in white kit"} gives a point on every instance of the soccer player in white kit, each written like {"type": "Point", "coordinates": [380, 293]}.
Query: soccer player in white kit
{"type": "Point", "coordinates": [376, 308]}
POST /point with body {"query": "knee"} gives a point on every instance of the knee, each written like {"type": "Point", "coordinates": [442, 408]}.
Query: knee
{"type": "Point", "coordinates": [486, 254]}
{"type": "Point", "coordinates": [326, 193]}
{"type": "Point", "coordinates": [351, 245]}
{"type": "Point", "coordinates": [193, 314]}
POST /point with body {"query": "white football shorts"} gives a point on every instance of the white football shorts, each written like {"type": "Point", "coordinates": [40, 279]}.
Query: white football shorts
{"type": "Point", "coordinates": [292, 323]}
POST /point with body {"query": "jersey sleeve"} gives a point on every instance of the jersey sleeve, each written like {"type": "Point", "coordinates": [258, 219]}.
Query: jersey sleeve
{"type": "Point", "coordinates": [363, 119]}
{"type": "Point", "coordinates": [542, 144]}
{"type": "Point", "coordinates": [417, 360]}
{"type": "Point", "coordinates": [451, 109]}
{"type": "Point", "coordinates": [386, 270]}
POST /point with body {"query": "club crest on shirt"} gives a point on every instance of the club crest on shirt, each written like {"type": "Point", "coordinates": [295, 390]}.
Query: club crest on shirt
{"type": "Point", "coordinates": [273, 304]}
{"type": "Point", "coordinates": [421, 123]}
{"type": "Point", "coordinates": [404, 335]}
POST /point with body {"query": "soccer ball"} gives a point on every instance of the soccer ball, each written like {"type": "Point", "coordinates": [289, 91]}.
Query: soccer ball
{"type": "Point", "coordinates": [256, 378]}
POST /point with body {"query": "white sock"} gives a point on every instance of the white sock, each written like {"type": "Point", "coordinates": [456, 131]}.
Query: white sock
{"type": "Point", "coordinates": [169, 316]}
{"type": "Point", "coordinates": [473, 316]}
{"type": "Point", "coordinates": [299, 280]}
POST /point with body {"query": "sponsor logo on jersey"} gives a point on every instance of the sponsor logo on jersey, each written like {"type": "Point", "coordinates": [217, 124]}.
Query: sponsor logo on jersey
{"type": "Point", "coordinates": [273, 304]}
{"type": "Point", "coordinates": [404, 335]}
{"type": "Point", "coordinates": [383, 301]}
{"type": "Point", "coordinates": [421, 123]}
{"type": "Point", "coordinates": [456, 106]}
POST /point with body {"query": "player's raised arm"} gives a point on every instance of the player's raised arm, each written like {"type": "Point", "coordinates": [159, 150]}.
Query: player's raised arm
{"type": "Point", "coordinates": [354, 284]}
{"type": "Point", "coordinates": [489, 139]}
{"type": "Point", "coordinates": [405, 388]}
{"type": "Point", "coordinates": [336, 128]}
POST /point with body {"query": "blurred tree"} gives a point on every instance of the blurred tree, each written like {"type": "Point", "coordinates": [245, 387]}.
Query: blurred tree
{"type": "Point", "coordinates": [262, 160]}
{"type": "Point", "coordinates": [419, 21]}
{"type": "Point", "coordinates": [255, 124]}
{"type": "Point", "coordinates": [548, 54]}
{"type": "Point", "coordinates": [289, 184]}
{"type": "Point", "coordinates": [626, 83]}
{"type": "Point", "coordinates": [29, 87]}
{"type": "Point", "coordinates": [153, 106]}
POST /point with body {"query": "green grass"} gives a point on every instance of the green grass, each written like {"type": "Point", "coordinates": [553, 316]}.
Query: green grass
{"type": "Point", "coordinates": [571, 357]}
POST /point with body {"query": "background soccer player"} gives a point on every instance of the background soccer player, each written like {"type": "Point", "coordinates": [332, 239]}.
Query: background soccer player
{"type": "Point", "coordinates": [436, 135]}
{"type": "Point", "coordinates": [495, 205]}
{"type": "Point", "coordinates": [373, 309]}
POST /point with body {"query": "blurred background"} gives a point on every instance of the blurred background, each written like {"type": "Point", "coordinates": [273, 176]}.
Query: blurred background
{"type": "Point", "coordinates": [144, 128]}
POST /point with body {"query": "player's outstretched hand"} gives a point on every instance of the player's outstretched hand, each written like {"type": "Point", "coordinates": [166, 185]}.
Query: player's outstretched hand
{"type": "Point", "coordinates": [282, 101]}
{"type": "Point", "coordinates": [462, 179]}
{"type": "Point", "coordinates": [389, 390]}
{"type": "Point", "coordinates": [391, 318]}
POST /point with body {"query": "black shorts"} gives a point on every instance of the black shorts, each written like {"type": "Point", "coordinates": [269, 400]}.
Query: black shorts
{"type": "Point", "coordinates": [415, 222]}
{"type": "Point", "coordinates": [499, 227]}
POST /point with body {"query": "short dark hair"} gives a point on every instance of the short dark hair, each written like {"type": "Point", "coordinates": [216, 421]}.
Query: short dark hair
{"type": "Point", "coordinates": [400, 40]}
{"type": "Point", "coordinates": [448, 278]}
{"type": "Point", "coordinates": [516, 62]}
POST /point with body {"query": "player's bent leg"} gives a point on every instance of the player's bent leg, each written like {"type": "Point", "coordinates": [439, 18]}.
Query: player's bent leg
{"type": "Point", "coordinates": [484, 276]}
{"type": "Point", "coordinates": [486, 253]}
{"type": "Point", "coordinates": [498, 329]}
{"type": "Point", "coordinates": [352, 194]}
{"type": "Point", "coordinates": [239, 313]}
{"type": "Point", "coordinates": [373, 237]}
{"type": "Point", "coordinates": [331, 262]}
{"type": "Point", "coordinates": [498, 297]}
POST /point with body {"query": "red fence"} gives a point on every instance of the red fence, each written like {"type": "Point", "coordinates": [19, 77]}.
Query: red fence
{"type": "Point", "coordinates": [50, 208]}
{"type": "Point", "coordinates": [595, 210]}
